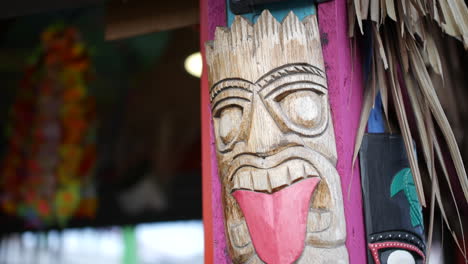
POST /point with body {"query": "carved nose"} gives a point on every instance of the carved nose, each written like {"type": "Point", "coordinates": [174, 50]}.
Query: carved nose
{"type": "Point", "coordinates": [265, 136]}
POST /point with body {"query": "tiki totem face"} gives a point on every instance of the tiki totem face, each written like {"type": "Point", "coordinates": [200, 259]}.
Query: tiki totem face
{"type": "Point", "coordinates": [394, 222]}
{"type": "Point", "coordinates": [275, 143]}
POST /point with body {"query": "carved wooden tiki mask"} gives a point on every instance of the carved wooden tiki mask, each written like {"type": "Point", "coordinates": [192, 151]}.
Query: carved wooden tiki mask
{"type": "Point", "coordinates": [275, 142]}
{"type": "Point", "coordinates": [394, 221]}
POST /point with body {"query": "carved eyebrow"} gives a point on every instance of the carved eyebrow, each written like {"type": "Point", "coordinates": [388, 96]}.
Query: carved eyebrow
{"type": "Point", "coordinates": [230, 83]}
{"type": "Point", "coordinates": [308, 86]}
{"type": "Point", "coordinates": [288, 70]}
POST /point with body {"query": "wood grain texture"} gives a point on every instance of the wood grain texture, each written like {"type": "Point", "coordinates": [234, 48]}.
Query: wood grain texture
{"type": "Point", "coordinates": [273, 128]}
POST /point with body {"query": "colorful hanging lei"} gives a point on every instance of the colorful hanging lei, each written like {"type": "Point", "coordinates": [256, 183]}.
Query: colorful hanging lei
{"type": "Point", "coordinates": [48, 165]}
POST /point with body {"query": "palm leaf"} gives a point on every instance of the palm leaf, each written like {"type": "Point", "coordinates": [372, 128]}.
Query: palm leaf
{"type": "Point", "coordinates": [405, 51]}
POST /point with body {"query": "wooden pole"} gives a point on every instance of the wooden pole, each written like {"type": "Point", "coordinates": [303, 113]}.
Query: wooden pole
{"type": "Point", "coordinates": [343, 70]}
{"type": "Point", "coordinates": [212, 14]}
{"type": "Point", "coordinates": [343, 66]}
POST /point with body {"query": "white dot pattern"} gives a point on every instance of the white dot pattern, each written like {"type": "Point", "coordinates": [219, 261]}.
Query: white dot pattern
{"type": "Point", "coordinates": [374, 248]}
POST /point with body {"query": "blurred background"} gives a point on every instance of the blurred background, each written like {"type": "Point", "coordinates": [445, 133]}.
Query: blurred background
{"type": "Point", "coordinates": [100, 134]}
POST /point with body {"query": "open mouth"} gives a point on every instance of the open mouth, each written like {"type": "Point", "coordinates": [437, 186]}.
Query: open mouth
{"type": "Point", "coordinates": [285, 201]}
{"type": "Point", "coordinates": [270, 180]}
{"type": "Point", "coordinates": [277, 222]}
{"type": "Point", "coordinates": [275, 202]}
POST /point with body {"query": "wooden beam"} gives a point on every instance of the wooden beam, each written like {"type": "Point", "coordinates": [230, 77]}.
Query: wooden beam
{"type": "Point", "coordinates": [136, 17]}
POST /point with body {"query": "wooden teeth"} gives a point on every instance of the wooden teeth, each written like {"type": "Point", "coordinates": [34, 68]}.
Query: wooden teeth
{"type": "Point", "coordinates": [272, 179]}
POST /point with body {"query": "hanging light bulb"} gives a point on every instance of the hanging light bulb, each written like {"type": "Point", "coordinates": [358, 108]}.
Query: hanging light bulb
{"type": "Point", "coordinates": [194, 64]}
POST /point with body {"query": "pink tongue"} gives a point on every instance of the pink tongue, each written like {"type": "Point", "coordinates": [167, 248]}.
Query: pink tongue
{"type": "Point", "coordinates": [277, 222]}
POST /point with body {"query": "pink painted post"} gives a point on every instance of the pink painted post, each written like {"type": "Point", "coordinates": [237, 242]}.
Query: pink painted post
{"type": "Point", "coordinates": [212, 14]}
{"type": "Point", "coordinates": [345, 90]}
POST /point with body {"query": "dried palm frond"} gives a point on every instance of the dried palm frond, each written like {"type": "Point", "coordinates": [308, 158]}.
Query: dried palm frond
{"type": "Point", "coordinates": [405, 53]}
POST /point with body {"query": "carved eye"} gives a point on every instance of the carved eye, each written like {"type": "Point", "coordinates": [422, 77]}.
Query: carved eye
{"type": "Point", "coordinates": [400, 257]}
{"type": "Point", "coordinates": [303, 108]}
{"type": "Point", "coordinates": [230, 119]}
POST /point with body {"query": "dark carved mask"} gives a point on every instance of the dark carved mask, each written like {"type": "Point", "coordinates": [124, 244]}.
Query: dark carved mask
{"type": "Point", "coordinates": [394, 223]}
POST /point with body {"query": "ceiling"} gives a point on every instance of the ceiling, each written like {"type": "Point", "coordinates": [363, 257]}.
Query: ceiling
{"type": "Point", "coordinates": [9, 9]}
